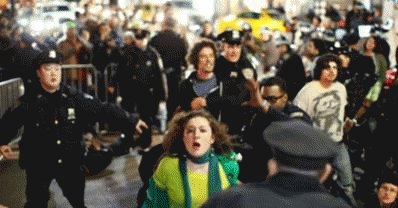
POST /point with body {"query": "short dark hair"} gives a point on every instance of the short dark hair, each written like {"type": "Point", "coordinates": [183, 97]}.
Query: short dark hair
{"type": "Point", "coordinates": [193, 56]}
{"type": "Point", "coordinates": [274, 81]}
{"type": "Point", "coordinates": [323, 63]}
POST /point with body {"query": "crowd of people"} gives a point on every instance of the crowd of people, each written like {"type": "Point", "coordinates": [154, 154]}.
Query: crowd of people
{"type": "Point", "coordinates": [234, 102]}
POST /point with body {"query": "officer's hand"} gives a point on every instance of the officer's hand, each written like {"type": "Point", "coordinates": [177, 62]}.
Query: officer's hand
{"type": "Point", "coordinates": [91, 141]}
{"type": "Point", "coordinates": [198, 103]}
{"type": "Point", "coordinates": [141, 124]}
{"type": "Point", "coordinates": [7, 152]}
{"type": "Point", "coordinates": [255, 94]}
{"type": "Point", "coordinates": [119, 100]}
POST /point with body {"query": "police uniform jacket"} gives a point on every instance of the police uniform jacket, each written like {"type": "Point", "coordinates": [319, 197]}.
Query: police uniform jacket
{"type": "Point", "coordinates": [255, 146]}
{"type": "Point", "coordinates": [235, 91]}
{"type": "Point", "coordinates": [139, 77]}
{"type": "Point", "coordinates": [187, 94]}
{"type": "Point", "coordinates": [54, 124]}
{"type": "Point", "coordinates": [282, 190]}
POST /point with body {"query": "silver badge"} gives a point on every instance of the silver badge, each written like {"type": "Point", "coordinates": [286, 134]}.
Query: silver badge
{"type": "Point", "coordinates": [71, 114]}
{"type": "Point", "coordinates": [52, 54]}
{"type": "Point", "coordinates": [233, 74]}
{"type": "Point", "coordinates": [87, 96]}
{"type": "Point", "coordinates": [235, 34]}
{"type": "Point", "coordinates": [248, 73]}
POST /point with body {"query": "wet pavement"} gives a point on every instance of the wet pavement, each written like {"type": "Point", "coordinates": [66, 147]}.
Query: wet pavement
{"type": "Point", "coordinates": [115, 187]}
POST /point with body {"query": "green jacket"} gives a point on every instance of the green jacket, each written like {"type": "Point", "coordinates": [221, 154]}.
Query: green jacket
{"type": "Point", "coordinates": [157, 198]}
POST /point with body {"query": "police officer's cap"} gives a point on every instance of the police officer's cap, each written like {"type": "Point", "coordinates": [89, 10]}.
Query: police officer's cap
{"type": "Point", "coordinates": [388, 177]}
{"type": "Point", "coordinates": [231, 37]}
{"type": "Point", "coordinates": [297, 144]}
{"type": "Point", "coordinates": [140, 33]}
{"type": "Point", "coordinates": [45, 57]}
{"type": "Point", "coordinates": [281, 40]}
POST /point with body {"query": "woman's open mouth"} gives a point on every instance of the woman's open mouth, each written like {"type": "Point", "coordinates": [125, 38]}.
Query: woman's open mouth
{"type": "Point", "coordinates": [196, 145]}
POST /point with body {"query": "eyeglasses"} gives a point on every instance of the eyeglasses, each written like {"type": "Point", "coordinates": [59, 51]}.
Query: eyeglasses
{"type": "Point", "coordinates": [272, 99]}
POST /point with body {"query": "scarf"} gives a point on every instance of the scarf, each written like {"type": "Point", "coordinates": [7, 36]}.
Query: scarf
{"type": "Point", "coordinates": [214, 182]}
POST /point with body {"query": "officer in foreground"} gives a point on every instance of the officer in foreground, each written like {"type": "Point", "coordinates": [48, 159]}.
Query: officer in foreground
{"type": "Point", "coordinates": [300, 164]}
{"type": "Point", "coordinates": [54, 118]}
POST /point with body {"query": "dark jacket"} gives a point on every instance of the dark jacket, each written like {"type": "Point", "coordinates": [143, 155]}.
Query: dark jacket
{"type": "Point", "coordinates": [256, 147]}
{"type": "Point", "coordinates": [187, 94]}
{"type": "Point", "coordinates": [139, 79]}
{"type": "Point", "coordinates": [282, 190]}
{"type": "Point", "coordinates": [291, 69]}
{"type": "Point", "coordinates": [54, 124]}
{"type": "Point", "coordinates": [235, 91]}
{"type": "Point", "coordinates": [172, 49]}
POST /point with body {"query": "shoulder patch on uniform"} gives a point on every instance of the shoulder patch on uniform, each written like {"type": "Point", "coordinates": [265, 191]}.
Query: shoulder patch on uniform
{"type": "Point", "coordinates": [87, 96]}
{"type": "Point", "coordinates": [296, 114]}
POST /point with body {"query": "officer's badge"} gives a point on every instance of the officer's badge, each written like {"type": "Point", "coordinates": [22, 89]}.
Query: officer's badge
{"type": "Point", "coordinates": [71, 114]}
{"type": "Point", "coordinates": [233, 74]}
{"type": "Point", "coordinates": [248, 73]}
{"type": "Point", "coordinates": [149, 63]}
{"type": "Point", "coordinates": [235, 34]}
{"type": "Point", "coordinates": [297, 115]}
{"type": "Point", "coordinates": [52, 54]}
{"type": "Point", "coordinates": [87, 96]}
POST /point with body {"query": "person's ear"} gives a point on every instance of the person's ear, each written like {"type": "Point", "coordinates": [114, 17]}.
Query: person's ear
{"type": "Point", "coordinates": [272, 167]}
{"type": "Point", "coordinates": [213, 139]}
{"type": "Point", "coordinates": [327, 170]}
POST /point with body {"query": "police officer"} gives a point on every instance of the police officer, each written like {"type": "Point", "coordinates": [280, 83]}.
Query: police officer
{"type": "Point", "coordinates": [54, 118]}
{"type": "Point", "coordinates": [271, 99]}
{"type": "Point", "coordinates": [230, 66]}
{"type": "Point", "coordinates": [173, 50]}
{"type": "Point", "coordinates": [300, 164]}
{"type": "Point", "coordinates": [139, 78]}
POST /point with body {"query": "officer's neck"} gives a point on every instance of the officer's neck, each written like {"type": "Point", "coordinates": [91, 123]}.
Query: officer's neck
{"type": "Point", "coordinates": [50, 90]}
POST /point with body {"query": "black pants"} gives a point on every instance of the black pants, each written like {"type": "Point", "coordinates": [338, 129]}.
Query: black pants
{"type": "Point", "coordinates": [70, 179]}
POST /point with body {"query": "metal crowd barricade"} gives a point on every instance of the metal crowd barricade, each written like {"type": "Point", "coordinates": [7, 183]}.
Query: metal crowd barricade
{"type": "Point", "coordinates": [10, 91]}
{"type": "Point", "coordinates": [86, 78]}
{"type": "Point", "coordinates": [82, 77]}
{"type": "Point", "coordinates": [109, 73]}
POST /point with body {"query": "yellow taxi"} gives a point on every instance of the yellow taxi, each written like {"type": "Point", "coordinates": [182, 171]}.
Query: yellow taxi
{"type": "Point", "coordinates": [257, 21]}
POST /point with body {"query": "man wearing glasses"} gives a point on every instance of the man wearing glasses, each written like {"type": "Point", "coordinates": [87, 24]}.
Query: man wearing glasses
{"type": "Point", "coordinates": [270, 98]}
